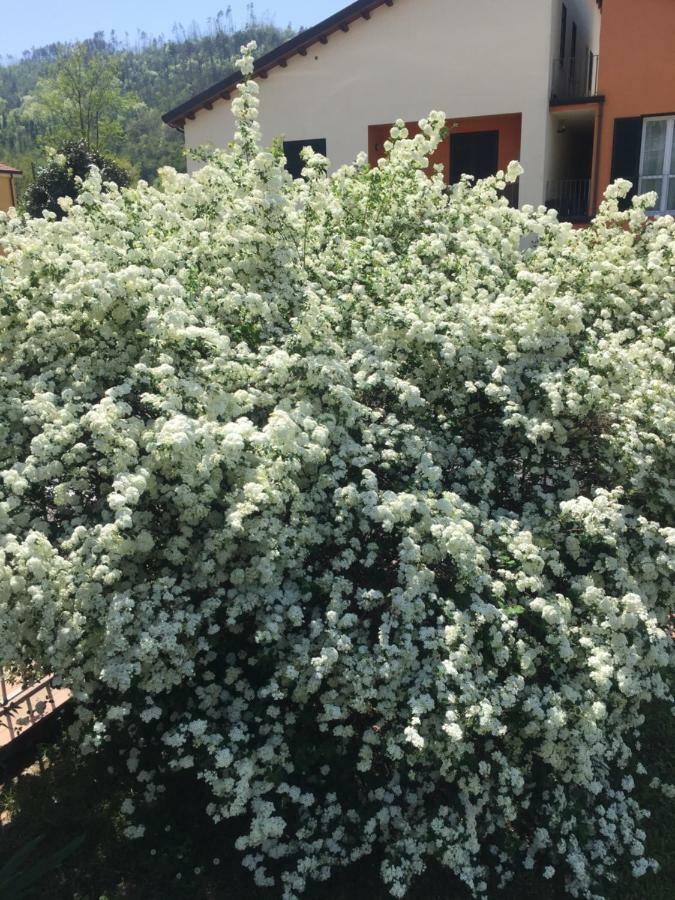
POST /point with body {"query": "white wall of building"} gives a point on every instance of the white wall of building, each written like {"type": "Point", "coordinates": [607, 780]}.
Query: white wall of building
{"type": "Point", "coordinates": [464, 57]}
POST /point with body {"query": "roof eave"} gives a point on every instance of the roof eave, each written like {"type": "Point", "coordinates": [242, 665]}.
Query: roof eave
{"type": "Point", "coordinates": [299, 44]}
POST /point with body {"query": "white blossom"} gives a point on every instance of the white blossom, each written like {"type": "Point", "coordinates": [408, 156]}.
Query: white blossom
{"type": "Point", "coordinates": [352, 498]}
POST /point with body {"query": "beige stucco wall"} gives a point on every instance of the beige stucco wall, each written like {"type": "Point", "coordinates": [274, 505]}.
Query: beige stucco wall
{"type": "Point", "coordinates": [6, 195]}
{"type": "Point", "coordinates": [465, 57]}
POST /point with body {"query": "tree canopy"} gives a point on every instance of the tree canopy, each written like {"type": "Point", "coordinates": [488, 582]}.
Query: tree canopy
{"type": "Point", "coordinates": [112, 91]}
{"type": "Point", "coordinates": [81, 98]}
{"type": "Point", "coordinates": [63, 177]}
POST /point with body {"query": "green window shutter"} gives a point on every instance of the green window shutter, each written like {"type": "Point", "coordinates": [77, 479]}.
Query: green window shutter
{"type": "Point", "coordinates": [626, 152]}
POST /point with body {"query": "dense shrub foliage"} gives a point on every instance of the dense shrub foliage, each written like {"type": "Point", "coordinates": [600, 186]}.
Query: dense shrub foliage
{"type": "Point", "coordinates": [352, 499]}
{"type": "Point", "coordinates": [63, 176]}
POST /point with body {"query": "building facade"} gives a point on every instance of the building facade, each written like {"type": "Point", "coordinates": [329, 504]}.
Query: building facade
{"type": "Point", "coordinates": [340, 85]}
{"type": "Point", "coordinates": [637, 82]}
{"type": "Point", "coordinates": [580, 91]}
{"type": "Point", "coordinates": [8, 186]}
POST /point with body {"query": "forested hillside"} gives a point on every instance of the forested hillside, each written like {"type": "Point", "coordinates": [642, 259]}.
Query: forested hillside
{"type": "Point", "coordinates": [144, 78]}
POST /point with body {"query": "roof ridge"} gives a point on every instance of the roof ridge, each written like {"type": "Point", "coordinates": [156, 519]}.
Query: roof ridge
{"type": "Point", "coordinates": [299, 44]}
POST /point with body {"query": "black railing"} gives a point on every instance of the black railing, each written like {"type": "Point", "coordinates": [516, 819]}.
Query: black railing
{"type": "Point", "coordinates": [571, 197]}
{"type": "Point", "coordinates": [574, 78]}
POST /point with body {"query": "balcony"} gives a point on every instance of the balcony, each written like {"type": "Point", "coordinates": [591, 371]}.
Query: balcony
{"type": "Point", "coordinates": [571, 197]}
{"type": "Point", "coordinates": [574, 79]}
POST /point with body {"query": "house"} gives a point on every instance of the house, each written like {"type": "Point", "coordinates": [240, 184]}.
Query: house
{"type": "Point", "coordinates": [621, 123]}
{"type": "Point", "coordinates": [7, 186]}
{"type": "Point", "coordinates": [637, 81]}
{"type": "Point", "coordinates": [487, 63]}
{"type": "Point", "coordinates": [542, 81]}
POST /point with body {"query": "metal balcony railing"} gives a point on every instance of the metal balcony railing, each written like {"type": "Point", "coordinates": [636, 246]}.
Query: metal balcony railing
{"type": "Point", "coordinates": [574, 78]}
{"type": "Point", "coordinates": [570, 196]}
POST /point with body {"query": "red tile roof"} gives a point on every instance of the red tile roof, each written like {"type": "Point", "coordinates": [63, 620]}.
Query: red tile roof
{"type": "Point", "coordinates": [9, 170]}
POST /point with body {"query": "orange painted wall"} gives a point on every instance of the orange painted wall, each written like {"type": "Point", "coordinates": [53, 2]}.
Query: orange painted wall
{"type": "Point", "coordinates": [6, 192]}
{"type": "Point", "coordinates": [508, 126]}
{"type": "Point", "coordinates": [637, 67]}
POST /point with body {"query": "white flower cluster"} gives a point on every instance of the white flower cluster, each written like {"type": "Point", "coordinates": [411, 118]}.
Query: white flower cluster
{"type": "Point", "coordinates": [346, 498]}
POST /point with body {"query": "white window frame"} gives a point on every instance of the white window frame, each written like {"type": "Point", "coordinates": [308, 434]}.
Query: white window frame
{"type": "Point", "coordinates": [668, 153]}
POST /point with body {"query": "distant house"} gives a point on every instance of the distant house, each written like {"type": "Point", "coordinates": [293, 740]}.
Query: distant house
{"type": "Point", "coordinates": [518, 79]}
{"type": "Point", "coordinates": [7, 186]}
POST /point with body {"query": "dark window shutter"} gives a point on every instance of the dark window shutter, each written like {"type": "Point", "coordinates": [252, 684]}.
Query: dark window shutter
{"type": "Point", "coordinates": [474, 153]}
{"type": "Point", "coordinates": [292, 149]}
{"type": "Point", "coordinates": [626, 152]}
{"type": "Point", "coordinates": [573, 52]}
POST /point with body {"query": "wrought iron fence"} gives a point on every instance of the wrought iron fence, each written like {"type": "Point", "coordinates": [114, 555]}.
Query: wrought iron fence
{"type": "Point", "coordinates": [570, 196]}
{"type": "Point", "coordinates": [574, 78]}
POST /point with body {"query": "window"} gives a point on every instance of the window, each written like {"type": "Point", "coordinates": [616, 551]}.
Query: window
{"type": "Point", "coordinates": [573, 52]}
{"type": "Point", "coordinates": [657, 162]}
{"type": "Point", "coordinates": [292, 150]}
{"type": "Point", "coordinates": [474, 153]}
{"type": "Point", "coordinates": [589, 73]}
{"type": "Point", "coordinates": [563, 33]}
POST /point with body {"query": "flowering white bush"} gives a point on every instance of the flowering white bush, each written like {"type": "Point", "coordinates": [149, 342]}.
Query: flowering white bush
{"type": "Point", "coordinates": [348, 498]}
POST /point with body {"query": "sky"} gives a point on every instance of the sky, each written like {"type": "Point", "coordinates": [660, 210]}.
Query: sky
{"type": "Point", "coordinates": [38, 22]}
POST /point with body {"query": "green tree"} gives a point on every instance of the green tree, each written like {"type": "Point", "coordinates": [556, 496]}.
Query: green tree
{"type": "Point", "coordinates": [160, 70]}
{"type": "Point", "coordinates": [82, 98]}
{"type": "Point", "coordinates": [59, 178]}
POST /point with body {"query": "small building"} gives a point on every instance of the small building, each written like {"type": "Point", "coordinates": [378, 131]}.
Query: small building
{"type": "Point", "coordinates": [580, 91]}
{"type": "Point", "coordinates": [340, 85]}
{"type": "Point", "coordinates": [7, 186]}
